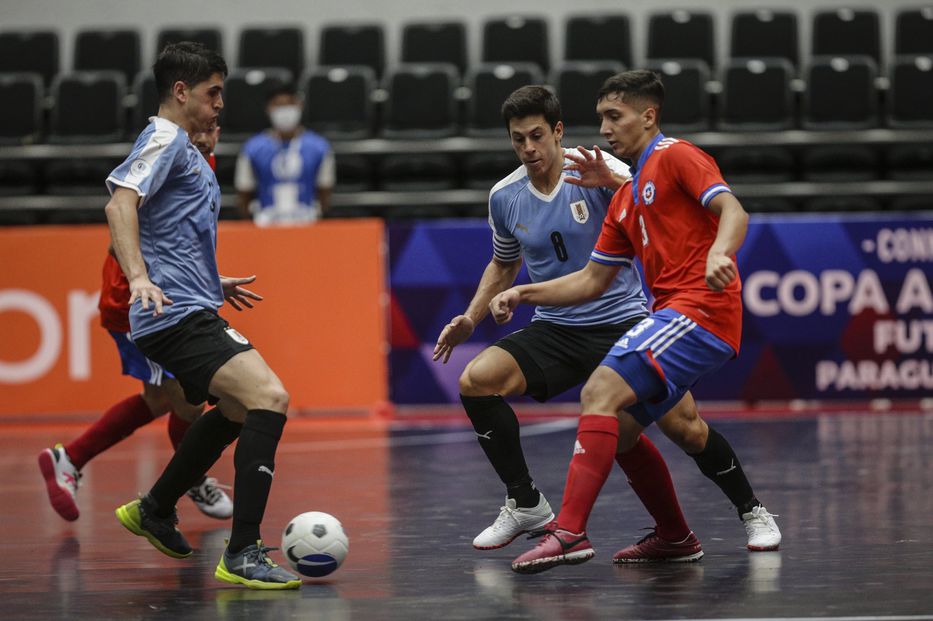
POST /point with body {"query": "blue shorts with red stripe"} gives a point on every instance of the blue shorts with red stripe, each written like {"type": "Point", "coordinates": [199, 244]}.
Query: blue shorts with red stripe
{"type": "Point", "coordinates": [661, 357]}
{"type": "Point", "coordinates": [135, 364]}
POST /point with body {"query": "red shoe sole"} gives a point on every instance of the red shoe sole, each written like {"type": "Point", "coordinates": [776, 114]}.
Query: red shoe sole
{"type": "Point", "coordinates": [61, 500]}
{"type": "Point", "coordinates": [763, 548]}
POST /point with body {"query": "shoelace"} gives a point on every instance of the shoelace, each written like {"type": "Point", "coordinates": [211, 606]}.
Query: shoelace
{"type": "Point", "coordinates": [260, 557]}
{"type": "Point", "coordinates": [651, 535]}
{"type": "Point", "coordinates": [548, 529]}
{"type": "Point", "coordinates": [210, 490]}
{"type": "Point", "coordinates": [762, 517]}
{"type": "Point", "coordinates": [159, 525]}
{"type": "Point", "coordinates": [500, 523]}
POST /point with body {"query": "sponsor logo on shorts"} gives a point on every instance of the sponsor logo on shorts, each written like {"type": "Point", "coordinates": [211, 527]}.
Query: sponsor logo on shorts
{"type": "Point", "coordinates": [236, 336]}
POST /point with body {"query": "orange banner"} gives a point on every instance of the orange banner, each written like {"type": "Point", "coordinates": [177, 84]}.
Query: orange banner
{"type": "Point", "coordinates": [321, 326]}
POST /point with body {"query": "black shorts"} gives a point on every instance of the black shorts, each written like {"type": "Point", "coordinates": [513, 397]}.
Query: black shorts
{"type": "Point", "coordinates": [554, 358]}
{"type": "Point", "coordinates": [193, 350]}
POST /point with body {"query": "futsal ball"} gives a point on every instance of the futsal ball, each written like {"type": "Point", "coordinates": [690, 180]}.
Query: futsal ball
{"type": "Point", "coordinates": [315, 544]}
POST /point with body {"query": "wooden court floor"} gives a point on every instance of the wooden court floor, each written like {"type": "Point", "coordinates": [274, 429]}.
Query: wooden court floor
{"type": "Point", "coordinates": [853, 491]}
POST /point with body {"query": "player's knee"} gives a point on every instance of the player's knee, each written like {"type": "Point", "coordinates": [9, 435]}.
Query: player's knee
{"type": "Point", "coordinates": [477, 381]}
{"type": "Point", "coordinates": [597, 396]}
{"type": "Point", "coordinates": [276, 397]}
{"type": "Point", "coordinates": [688, 433]}
{"type": "Point", "coordinates": [187, 412]}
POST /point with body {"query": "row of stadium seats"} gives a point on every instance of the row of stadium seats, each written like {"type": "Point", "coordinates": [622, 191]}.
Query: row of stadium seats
{"type": "Point", "coordinates": [427, 100]}
{"type": "Point", "coordinates": [671, 34]}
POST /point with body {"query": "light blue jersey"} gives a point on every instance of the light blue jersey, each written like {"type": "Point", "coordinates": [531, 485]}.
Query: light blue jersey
{"type": "Point", "coordinates": [555, 235]}
{"type": "Point", "coordinates": [177, 223]}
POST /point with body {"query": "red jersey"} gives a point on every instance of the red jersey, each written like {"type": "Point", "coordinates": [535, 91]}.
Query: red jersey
{"type": "Point", "coordinates": [114, 297]}
{"type": "Point", "coordinates": [660, 215]}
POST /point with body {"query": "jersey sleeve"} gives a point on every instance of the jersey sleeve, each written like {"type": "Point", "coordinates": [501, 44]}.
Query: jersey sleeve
{"type": "Point", "coordinates": [505, 247]}
{"type": "Point", "coordinates": [149, 164]}
{"type": "Point", "coordinates": [326, 173]}
{"type": "Point", "coordinates": [244, 179]}
{"type": "Point", "coordinates": [613, 246]}
{"type": "Point", "coordinates": [695, 172]}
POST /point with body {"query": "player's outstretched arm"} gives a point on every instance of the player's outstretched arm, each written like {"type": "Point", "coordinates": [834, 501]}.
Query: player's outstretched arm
{"type": "Point", "coordinates": [733, 224]}
{"type": "Point", "coordinates": [496, 278]}
{"type": "Point", "coordinates": [237, 296]}
{"type": "Point", "coordinates": [124, 238]}
{"type": "Point", "coordinates": [576, 288]}
{"type": "Point", "coordinates": [593, 169]}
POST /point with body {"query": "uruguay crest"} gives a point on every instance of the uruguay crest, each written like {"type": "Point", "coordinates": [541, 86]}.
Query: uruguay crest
{"type": "Point", "coordinates": [580, 213]}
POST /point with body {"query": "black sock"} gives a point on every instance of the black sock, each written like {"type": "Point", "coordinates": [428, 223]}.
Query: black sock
{"type": "Point", "coordinates": [497, 431]}
{"type": "Point", "coordinates": [254, 460]}
{"type": "Point", "coordinates": [202, 445]}
{"type": "Point", "coordinates": [717, 461]}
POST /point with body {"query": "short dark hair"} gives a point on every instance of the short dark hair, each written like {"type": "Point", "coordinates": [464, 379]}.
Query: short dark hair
{"type": "Point", "coordinates": [638, 84]}
{"type": "Point", "coordinates": [187, 61]}
{"type": "Point", "coordinates": [529, 101]}
{"type": "Point", "coordinates": [280, 87]}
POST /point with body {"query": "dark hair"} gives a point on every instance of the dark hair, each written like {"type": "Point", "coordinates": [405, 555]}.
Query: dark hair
{"type": "Point", "coordinates": [280, 87]}
{"type": "Point", "coordinates": [634, 85]}
{"type": "Point", "coordinates": [529, 101]}
{"type": "Point", "coordinates": [189, 62]}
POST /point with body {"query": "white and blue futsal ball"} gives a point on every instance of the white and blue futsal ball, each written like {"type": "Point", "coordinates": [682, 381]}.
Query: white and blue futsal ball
{"type": "Point", "coordinates": [315, 544]}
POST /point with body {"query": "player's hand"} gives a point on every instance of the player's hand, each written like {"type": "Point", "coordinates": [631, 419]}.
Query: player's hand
{"type": "Point", "coordinates": [457, 331]}
{"type": "Point", "coordinates": [720, 271]}
{"type": "Point", "coordinates": [503, 304]}
{"type": "Point", "coordinates": [593, 169]}
{"type": "Point", "coordinates": [237, 295]}
{"type": "Point", "coordinates": [142, 289]}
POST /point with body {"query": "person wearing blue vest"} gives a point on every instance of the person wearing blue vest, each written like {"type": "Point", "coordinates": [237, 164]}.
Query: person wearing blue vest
{"type": "Point", "coordinates": [285, 174]}
{"type": "Point", "coordinates": [542, 215]}
{"type": "Point", "coordinates": [163, 213]}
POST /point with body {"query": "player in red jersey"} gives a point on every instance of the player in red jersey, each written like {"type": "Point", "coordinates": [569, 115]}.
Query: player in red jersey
{"type": "Point", "coordinates": [61, 465]}
{"type": "Point", "coordinates": [678, 216]}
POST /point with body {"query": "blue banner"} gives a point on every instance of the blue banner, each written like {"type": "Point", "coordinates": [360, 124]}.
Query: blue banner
{"type": "Point", "coordinates": [835, 307]}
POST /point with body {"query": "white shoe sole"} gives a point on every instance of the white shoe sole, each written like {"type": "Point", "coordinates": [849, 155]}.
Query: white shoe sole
{"type": "Point", "coordinates": [543, 564]}
{"type": "Point", "coordinates": [537, 526]}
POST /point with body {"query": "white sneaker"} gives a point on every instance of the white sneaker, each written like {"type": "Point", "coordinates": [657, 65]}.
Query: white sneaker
{"type": "Point", "coordinates": [61, 481]}
{"type": "Point", "coordinates": [512, 522]}
{"type": "Point", "coordinates": [763, 532]}
{"type": "Point", "coordinates": [211, 498]}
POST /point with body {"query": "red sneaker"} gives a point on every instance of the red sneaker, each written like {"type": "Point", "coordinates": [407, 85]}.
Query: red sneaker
{"type": "Point", "coordinates": [653, 549]}
{"type": "Point", "coordinates": [557, 547]}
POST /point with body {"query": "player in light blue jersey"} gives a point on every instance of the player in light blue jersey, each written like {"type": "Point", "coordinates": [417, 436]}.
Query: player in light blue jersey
{"type": "Point", "coordinates": [540, 216]}
{"type": "Point", "coordinates": [163, 223]}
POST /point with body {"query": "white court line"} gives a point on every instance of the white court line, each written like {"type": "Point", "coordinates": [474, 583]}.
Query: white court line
{"type": "Point", "coordinates": [448, 437]}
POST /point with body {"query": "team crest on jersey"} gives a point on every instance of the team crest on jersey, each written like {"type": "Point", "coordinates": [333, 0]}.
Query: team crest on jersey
{"type": "Point", "coordinates": [648, 193]}
{"type": "Point", "coordinates": [580, 213]}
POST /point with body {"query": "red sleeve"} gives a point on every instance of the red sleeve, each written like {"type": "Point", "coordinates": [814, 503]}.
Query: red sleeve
{"type": "Point", "coordinates": [613, 243]}
{"type": "Point", "coordinates": [695, 172]}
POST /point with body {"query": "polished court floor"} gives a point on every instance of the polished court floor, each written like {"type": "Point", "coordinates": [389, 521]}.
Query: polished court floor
{"type": "Point", "coordinates": [854, 494]}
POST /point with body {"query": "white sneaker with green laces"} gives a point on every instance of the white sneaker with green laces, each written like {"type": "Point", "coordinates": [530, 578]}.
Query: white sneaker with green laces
{"type": "Point", "coordinates": [512, 522]}
{"type": "Point", "coordinates": [763, 532]}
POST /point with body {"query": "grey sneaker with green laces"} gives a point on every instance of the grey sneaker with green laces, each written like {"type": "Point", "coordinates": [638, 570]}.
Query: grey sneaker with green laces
{"type": "Point", "coordinates": [252, 567]}
{"type": "Point", "coordinates": [139, 518]}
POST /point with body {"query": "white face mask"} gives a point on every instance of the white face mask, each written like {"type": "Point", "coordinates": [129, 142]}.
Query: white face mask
{"type": "Point", "coordinates": [285, 118]}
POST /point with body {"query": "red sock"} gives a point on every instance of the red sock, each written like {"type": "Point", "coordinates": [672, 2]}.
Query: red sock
{"type": "Point", "coordinates": [597, 437]}
{"type": "Point", "coordinates": [648, 475]}
{"type": "Point", "coordinates": [118, 422]}
{"type": "Point", "coordinates": [177, 427]}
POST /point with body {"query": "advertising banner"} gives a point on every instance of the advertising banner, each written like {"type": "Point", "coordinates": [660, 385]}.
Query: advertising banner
{"type": "Point", "coordinates": [321, 326]}
{"type": "Point", "coordinates": [835, 307]}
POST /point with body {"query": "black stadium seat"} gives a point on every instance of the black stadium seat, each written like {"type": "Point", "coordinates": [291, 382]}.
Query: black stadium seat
{"type": "Point", "coordinates": [910, 98]}
{"type": "Point", "coordinates": [765, 34]}
{"type": "Point", "coordinates": [490, 84]}
{"type": "Point", "coordinates": [681, 34]}
{"type": "Point", "coordinates": [686, 100]}
{"type": "Point", "coordinates": [30, 51]}
{"type": "Point", "coordinates": [847, 32]}
{"type": "Point", "coordinates": [756, 95]}
{"type": "Point", "coordinates": [280, 47]}
{"type": "Point", "coordinates": [435, 42]}
{"type": "Point", "coordinates": [245, 94]}
{"type": "Point", "coordinates": [88, 107]}
{"type": "Point", "coordinates": [147, 101]}
{"type": "Point", "coordinates": [21, 101]}
{"type": "Point", "coordinates": [208, 37]}
{"type": "Point", "coordinates": [353, 44]}
{"type": "Point", "coordinates": [913, 32]}
{"type": "Point", "coordinates": [577, 83]}
{"type": "Point", "coordinates": [421, 101]}
{"type": "Point", "coordinates": [517, 39]}
{"type": "Point", "coordinates": [338, 101]}
{"type": "Point", "coordinates": [598, 37]}
{"type": "Point", "coordinates": [106, 50]}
